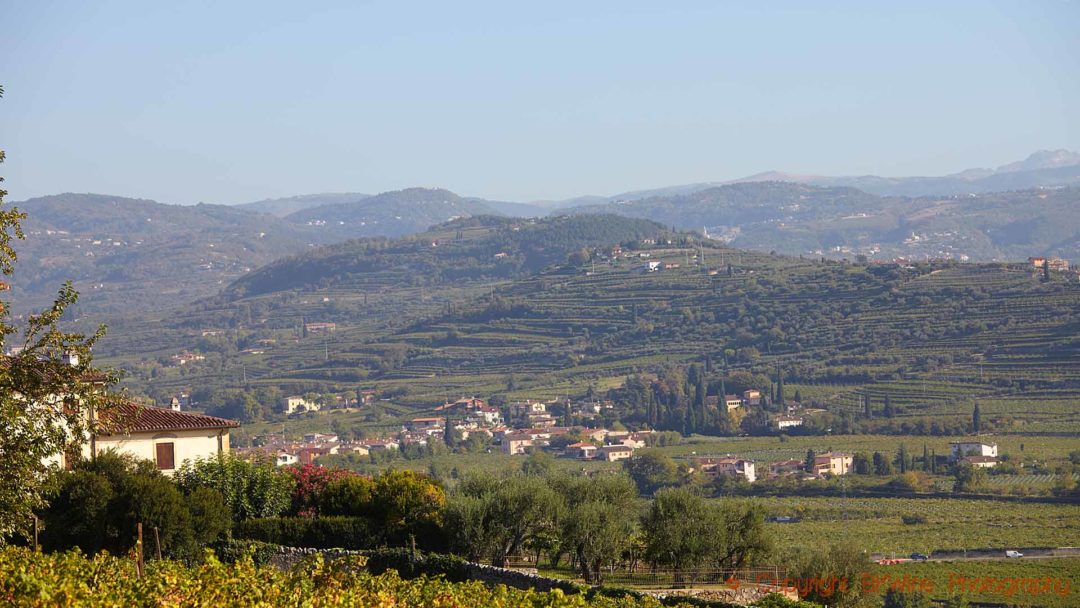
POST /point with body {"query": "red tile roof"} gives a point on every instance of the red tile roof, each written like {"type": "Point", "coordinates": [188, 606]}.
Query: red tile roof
{"type": "Point", "coordinates": [137, 418]}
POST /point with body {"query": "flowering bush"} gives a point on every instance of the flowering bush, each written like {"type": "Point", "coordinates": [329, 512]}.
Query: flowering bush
{"type": "Point", "coordinates": [310, 481]}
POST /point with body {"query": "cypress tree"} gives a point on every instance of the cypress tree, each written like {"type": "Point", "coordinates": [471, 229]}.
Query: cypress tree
{"type": "Point", "coordinates": [448, 433]}
{"type": "Point", "coordinates": [779, 385]}
{"type": "Point", "coordinates": [810, 457]}
{"type": "Point", "coordinates": [976, 418]}
{"type": "Point", "coordinates": [889, 412]}
{"type": "Point", "coordinates": [925, 458]}
{"type": "Point", "coordinates": [867, 411]}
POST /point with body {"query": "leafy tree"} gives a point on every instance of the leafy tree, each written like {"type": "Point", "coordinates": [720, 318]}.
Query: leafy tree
{"type": "Point", "coordinates": [310, 483]}
{"type": "Point", "coordinates": [406, 503]}
{"type": "Point", "coordinates": [350, 496]}
{"type": "Point", "coordinates": [684, 531]}
{"type": "Point", "coordinates": [882, 466]}
{"type": "Point", "coordinates": [837, 563]}
{"type": "Point", "coordinates": [969, 478]}
{"type": "Point", "coordinates": [44, 401]}
{"type": "Point", "coordinates": [538, 463]}
{"type": "Point", "coordinates": [860, 463]}
{"type": "Point", "coordinates": [98, 505]}
{"type": "Point", "coordinates": [498, 516]}
{"type": "Point", "coordinates": [674, 534]}
{"type": "Point", "coordinates": [249, 489]}
{"type": "Point", "coordinates": [467, 526]}
{"type": "Point", "coordinates": [599, 522]}
{"type": "Point", "coordinates": [651, 471]}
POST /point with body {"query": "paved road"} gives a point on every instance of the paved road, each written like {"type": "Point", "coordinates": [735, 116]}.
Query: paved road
{"type": "Point", "coordinates": [986, 556]}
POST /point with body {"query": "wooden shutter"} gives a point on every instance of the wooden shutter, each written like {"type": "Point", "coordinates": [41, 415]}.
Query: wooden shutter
{"type": "Point", "coordinates": [165, 454]}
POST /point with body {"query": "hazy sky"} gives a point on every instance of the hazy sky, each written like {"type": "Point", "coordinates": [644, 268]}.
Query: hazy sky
{"type": "Point", "coordinates": [236, 101]}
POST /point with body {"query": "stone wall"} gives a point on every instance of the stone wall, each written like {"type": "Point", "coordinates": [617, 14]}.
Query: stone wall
{"type": "Point", "coordinates": [287, 557]}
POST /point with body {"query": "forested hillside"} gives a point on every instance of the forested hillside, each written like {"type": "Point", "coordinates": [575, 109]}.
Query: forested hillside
{"type": "Point", "coordinates": [392, 213]}
{"type": "Point", "coordinates": [480, 248]}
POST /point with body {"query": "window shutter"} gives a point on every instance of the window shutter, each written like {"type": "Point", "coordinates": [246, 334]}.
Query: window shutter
{"type": "Point", "coordinates": [165, 455]}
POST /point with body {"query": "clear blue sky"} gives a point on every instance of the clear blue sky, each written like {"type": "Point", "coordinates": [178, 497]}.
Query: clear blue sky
{"type": "Point", "coordinates": [235, 101]}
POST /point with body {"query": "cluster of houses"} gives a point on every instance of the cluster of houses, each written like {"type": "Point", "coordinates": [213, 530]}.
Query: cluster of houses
{"type": "Point", "coordinates": [298, 404]}
{"type": "Point", "coordinates": [976, 453]}
{"type": "Point", "coordinates": [1057, 264]}
{"type": "Point", "coordinates": [186, 357]}
{"type": "Point", "coordinates": [828, 463]}
{"type": "Point", "coordinates": [312, 447]}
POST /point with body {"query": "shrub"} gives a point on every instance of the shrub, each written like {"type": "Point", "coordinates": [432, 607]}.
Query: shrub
{"type": "Point", "coordinates": [250, 489]}
{"type": "Point", "coordinates": [350, 496]}
{"type": "Point", "coordinates": [98, 506]}
{"type": "Point", "coordinates": [309, 483]}
{"type": "Point", "coordinates": [231, 551]}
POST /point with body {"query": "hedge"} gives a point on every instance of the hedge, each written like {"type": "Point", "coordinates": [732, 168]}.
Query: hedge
{"type": "Point", "coordinates": [230, 551]}
{"type": "Point", "coordinates": [317, 532]}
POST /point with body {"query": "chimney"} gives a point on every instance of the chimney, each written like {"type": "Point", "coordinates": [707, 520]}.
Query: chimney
{"type": "Point", "coordinates": [70, 358]}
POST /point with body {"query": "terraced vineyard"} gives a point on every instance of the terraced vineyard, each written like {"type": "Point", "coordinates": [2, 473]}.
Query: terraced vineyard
{"type": "Point", "coordinates": [932, 338]}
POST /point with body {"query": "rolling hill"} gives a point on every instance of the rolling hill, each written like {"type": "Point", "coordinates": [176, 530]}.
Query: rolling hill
{"type": "Point", "coordinates": [421, 322]}
{"type": "Point", "coordinates": [126, 255]}
{"type": "Point", "coordinates": [130, 254]}
{"type": "Point", "coordinates": [282, 207]}
{"type": "Point", "coordinates": [393, 213]}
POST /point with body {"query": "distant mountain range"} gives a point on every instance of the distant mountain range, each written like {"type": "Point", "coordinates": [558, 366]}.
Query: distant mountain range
{"type": "Point", "coordinates": [126, 254]}
{"type": "Point", "coordinates": [1045, 168]}
{"type": "Point", "coordinates": [837, 221]}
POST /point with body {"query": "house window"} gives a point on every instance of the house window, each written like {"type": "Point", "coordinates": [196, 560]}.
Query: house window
{"type": "Point", "coordinates": [165, 456]}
